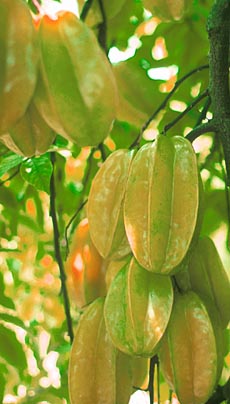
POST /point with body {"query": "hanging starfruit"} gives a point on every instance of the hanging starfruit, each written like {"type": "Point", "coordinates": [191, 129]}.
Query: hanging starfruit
{"type": "Point", "coordinates": [161, 203]}
{"type": "Point", "coordinates": [92, 365]}
{"type": "Point", "coordinates": [188, 351]}
{"type": "Point", "coordinates": [208, 277]}
{"type": "Point", "coordinates": [98, 372]}
{"type": "Point", "coordinates": [31, 136]}
{"type": "Point", "coordinates": [85, 267]}
{"type": "Point", "coordinates": [105, 205]}
{"type": "Point", "coordinates": [137, 309]}
{"type": "Point", "coordinates": [18, 61]}
{"type": "Point", "coordinates": [76, 92]}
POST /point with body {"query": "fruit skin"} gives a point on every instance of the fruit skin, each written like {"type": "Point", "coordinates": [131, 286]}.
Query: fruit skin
{"type": "Point", "coordinates": [98, 373]}
{"type": "Point", "coordinates": [181, 270]}
{"type": "Point", "coordinates": [76, 92]}
{"type": "Point", "coordinates": [31, 136]}
{"type": "Point", "coordinates": [85, 268]}
{"type": "Point", "coordinates": [18, 61]}
{"type": "Point", "coordinates": [137, 309]}
{"type": "Point", "coordinates": [112, 268]}
{"type": "Point", "coordinates": [92, 365]}
{"type": "Point", "coordinates": [168, 10]}
{"type": "Point", "coordinates": [208, 277]}
{"type": "Point", "coordinates": [105, 205]}
{"type": "Point", "coordinates": [160, 224]}
{"type": "Point", "coordinates": [188, 351]}
{"type": "Point", "coordinates": [124, 377]}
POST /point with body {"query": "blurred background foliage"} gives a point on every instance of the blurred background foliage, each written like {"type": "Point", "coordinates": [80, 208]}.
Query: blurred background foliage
{"type": "Point", "coordinates": [148, 57]}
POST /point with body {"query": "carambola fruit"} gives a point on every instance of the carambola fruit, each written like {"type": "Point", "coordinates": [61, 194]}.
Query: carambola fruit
{"type": "Point", "coordinates": [161, 203]}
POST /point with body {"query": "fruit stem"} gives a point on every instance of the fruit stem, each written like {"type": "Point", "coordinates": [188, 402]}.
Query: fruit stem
{"type": "Point", "coordinates": [153, 361]}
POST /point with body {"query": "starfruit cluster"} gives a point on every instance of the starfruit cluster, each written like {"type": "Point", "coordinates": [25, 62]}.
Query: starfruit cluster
{"type": "Point", "coordinates": [167, 292]}
{"type": "Point", "coordinates": [55, 79]}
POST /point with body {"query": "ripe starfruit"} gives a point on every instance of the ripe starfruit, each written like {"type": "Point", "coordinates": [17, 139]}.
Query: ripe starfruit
{"type": "Point", "coordinates": [76, 92]}
{"type": "Point", "coordinates": [92, 365]}
{"type": "Point", "coordinates": [105, 205]}
{"type": "Point", "coordinates": [98, 373]}
{"type": "Point", "coordinates": [208, 277]}
{"type": "Point", "coordinates": [31, 136]}
{"type": "Point", "coordinates": [188, 351]}
{"type": "Point", "coordinates": [137, 309]}
{"type": "Point", "coordinates": [168, 10]}
{"type": "Point", "coordinates": [161, 203]}
{"type": "Point", "coordinates": [18, 61]}
{"type": "Point", "coordinates": [84, 267]}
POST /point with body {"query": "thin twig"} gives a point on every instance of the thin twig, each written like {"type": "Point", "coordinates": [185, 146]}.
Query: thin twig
{"type": "Point", "coordinates": [102, 34]}
{"type": "Point", "coordinates": [201, 130]}
{"type": "Point", "coordinates": [191, 106]}
{"type": "Point", "coordinates": [164, 103]}
{"type": "Point", "coordinates": [153, 362]}
{"type": "Point", "coordinates": [85, 9]}
{"type": "Point", "coordinates": [57, 249]}
{"type": "Point", "coordinates": [158, 382]}
{"type": "Point", "coordinates": [204, 112]}
{"type": "Point", "coordinates": [101, 147]}
{"type": "Point", "coordinates": [80, 207]}
{"type": "Point", "coordinates": [82, 202]}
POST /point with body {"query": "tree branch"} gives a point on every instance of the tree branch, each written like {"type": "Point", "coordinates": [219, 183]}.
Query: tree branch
{"type": "Point", "coordinates": [57, 250]}
{"type": "Point", "coordinates": [204, 111]}
{"type": "Point", "coordinates": [192, 105]}
{"type": "Point", "coordinates": [218, 27]}
{"type": "Point", "coordinates": [201, 129]}
{"type": "Point", "coordinates": [164, 103]}
{"type": "Point", "coordinates": [221, 394]}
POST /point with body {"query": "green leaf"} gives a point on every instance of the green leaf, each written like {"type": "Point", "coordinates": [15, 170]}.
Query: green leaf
{"type": "Point", "coordinates": [37, 171]}
{"type": "Point", "coordinates": [4, 300]}
{"type": "Point", "coordinates": [11, 350]}
{"type": "Point", "coordinates": [9, 161]}
{"type": "Point", "coordinates": [12, 320]}
{"type": "Point", "coordinates": [3, 373]}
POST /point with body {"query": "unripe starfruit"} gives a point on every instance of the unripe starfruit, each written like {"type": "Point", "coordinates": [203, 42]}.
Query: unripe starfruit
{"type": "Point", "coordinates": [137, 309]}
